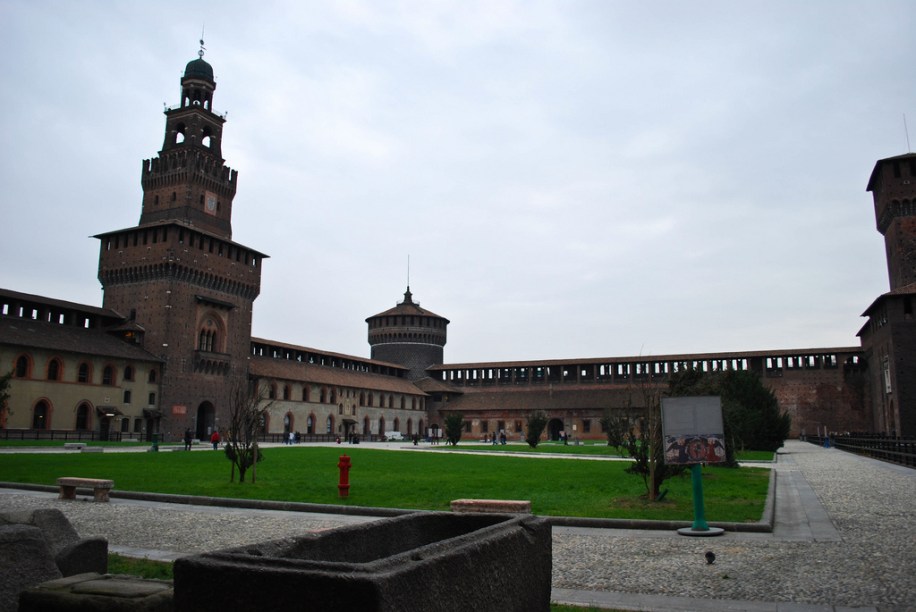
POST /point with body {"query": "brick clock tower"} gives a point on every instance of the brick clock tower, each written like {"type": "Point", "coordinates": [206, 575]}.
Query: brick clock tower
{"type": "Point", "coordinates": [889, 336]}
{"type": "Point", "coordinates": [178, 276]}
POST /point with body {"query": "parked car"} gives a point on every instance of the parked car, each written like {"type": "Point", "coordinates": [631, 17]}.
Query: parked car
{"type": "Point", "coordinates": [394, 436]}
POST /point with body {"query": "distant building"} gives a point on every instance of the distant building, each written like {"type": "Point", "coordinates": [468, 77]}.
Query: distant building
{"type": "Point", "coordinates": [173, 338]}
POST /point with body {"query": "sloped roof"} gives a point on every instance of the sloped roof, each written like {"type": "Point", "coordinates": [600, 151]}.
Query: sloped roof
{"type": "Point", "coordinates": [342, 356]}
{"type": "Point", "coordinates": [408, 307]}
{"type": "Point", "coordinates": [881, 162]}
{"type": "Point", "coordinates": [431, 385]}
{"type": "Point", "coordinates": [29, 333]}
{"type": "Point", "coordinates": [289, 369]}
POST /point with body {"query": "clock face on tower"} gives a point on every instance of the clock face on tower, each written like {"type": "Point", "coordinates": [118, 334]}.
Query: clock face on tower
{"type": "Point", "coordinates": [210, 203]}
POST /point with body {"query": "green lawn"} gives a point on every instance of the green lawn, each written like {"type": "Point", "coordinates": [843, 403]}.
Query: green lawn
{"type": "Point", "coordinates": [426, 481]}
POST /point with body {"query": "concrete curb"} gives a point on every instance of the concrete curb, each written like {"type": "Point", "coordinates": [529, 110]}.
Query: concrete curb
{"type": "Point", "coordinates": [765, 525]}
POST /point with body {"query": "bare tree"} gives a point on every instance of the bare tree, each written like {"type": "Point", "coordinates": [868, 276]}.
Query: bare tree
{"type": "Point", "coordinates": [247, 411]}
{"type": "Point", "coordinates": [617, 424]}
{"type": "Point", "coordinates": [645, 443]}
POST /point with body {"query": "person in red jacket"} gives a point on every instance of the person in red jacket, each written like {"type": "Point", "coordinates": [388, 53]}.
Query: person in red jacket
{"type": "Point", "coordinates": [214, 439]}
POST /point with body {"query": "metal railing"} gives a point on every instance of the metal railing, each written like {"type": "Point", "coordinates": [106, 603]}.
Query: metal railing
{"type": "Point", "coordinates": [70, 435]}
{"type": "Point", "coordinates": [901, 451]}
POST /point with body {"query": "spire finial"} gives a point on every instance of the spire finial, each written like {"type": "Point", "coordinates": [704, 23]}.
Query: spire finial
{"type": "Point", "coordinates": [200, 53]}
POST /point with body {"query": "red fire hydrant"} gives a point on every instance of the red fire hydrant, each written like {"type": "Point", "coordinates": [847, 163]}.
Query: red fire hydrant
{"type": "Point", "coordinates": [344, 487]}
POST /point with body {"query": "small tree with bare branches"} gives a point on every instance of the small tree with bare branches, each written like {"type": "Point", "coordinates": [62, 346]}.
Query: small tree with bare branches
{"type": "Point", "coordinates": [247, 411]}
{"type": "Point", "coordinates": [645, 442]}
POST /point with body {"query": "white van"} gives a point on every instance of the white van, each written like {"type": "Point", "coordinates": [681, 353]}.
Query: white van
{"type": "Point", "coordinates": [394, 436]}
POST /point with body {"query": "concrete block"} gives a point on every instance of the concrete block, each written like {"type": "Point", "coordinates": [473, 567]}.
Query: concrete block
{"type": "Point", "coordinates": [25, 560]}
{"type": "Point", "coordinates": [422, 562]}
{"type": "Point", "coordinates": [83, 556]}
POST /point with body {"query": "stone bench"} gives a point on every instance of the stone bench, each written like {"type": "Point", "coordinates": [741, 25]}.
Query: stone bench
{"type": "Point", "coordinates": [100, 487]}
{"type": "Point", "coordinates": [510, 506]}
{"type": "Point", "coordinates": [74, 445]}
{"type": "Point", "coordinates": [92, 449]}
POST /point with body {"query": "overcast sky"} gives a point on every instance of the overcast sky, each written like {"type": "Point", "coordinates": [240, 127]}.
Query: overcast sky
{"type": "Point", "coordinates": [569, 179]}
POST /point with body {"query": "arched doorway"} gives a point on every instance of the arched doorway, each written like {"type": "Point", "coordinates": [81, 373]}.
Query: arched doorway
{"type": "Point", "coordinates": [206, 421]}
{"type": "Point", "coordinates": [554, 427]}
{"type": "Point", "coordinates": [287, 425]}
{"type": "Point", "coordinates": [82, 417]}
{"type": "Point", "coordinates": [41, 416]}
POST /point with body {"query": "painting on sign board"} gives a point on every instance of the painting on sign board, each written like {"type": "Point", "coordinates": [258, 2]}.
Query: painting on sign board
{"type": "Point", "coordinates": [693, 430]}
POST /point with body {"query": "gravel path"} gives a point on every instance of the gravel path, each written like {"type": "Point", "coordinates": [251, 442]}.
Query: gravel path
{"type": "Point", "coordinates": [869, 561]}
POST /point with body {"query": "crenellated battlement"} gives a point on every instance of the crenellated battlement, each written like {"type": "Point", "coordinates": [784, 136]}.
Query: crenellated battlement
{"type": "Point", "coordinates": [188, 164]}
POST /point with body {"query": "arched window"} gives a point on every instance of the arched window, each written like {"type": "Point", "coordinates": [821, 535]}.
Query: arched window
{"type": "Point", "coordinates": [305, 393]}
{"type": "Point", "coordinates": [362, 399]}
{"type": "Point", "coordinates": [397, 424]}
{"type": "Point", "coordinates": [310, 424]}
{"type": "Point", "coordinates": [409, 427]}
{"type": "Point", "coordinates": [287, 392]}
{"type": "Point", "coordinates": [402, 402]}
{"type": "Point", "coordinates": [108, 376]}
{"type": "Point", "coordinates": [322, 394]}
{"type": "Point", "coordinates": [82, 417]}
{"type": "Point", "coordinates": [210, 336]}
{"type": "Point", "coordinates": [82, 374]}
{"type": "Point", "coordinates": [333, 399]}
{"type": "Point", "coordinates": [23, 367]}
{"type": "Point", "coordinates": [329, 424]}
{"type": "Point", "coordinates": [128, 373]}
{"type": "Point", "coordinates": [41, 416]}
{"type": "Point", "coordinates": [272, 391]}
{"type": "Point", "coordinates": [367, 428]}
{"type": "Point", "coordinates": [381, 426]}
{"type": "Point", "coordinates": [288, 423]}
{"type": "Point", "coordinates": [54, 368]}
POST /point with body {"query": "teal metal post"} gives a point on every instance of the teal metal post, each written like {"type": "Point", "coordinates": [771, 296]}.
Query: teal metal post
{"type": "Point", "coordinates": [699, 514]}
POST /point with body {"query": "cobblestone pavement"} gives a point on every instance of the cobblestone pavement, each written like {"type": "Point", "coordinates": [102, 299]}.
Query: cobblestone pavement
{"type": "Point", "coordinates": [867, 558]}
{"type": "Point", "coordinates": [860, 552]}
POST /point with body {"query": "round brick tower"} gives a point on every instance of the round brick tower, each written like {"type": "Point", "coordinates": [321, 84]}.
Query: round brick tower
{"type": "Point", "coordinates": [409, 336]}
